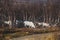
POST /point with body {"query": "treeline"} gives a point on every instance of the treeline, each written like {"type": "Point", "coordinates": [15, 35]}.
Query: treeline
{"type": "Point", "coordinates": [42, 12]}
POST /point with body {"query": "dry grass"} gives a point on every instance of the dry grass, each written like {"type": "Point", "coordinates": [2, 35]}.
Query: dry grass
{"type": "Point", "coordinates": [28, 31]}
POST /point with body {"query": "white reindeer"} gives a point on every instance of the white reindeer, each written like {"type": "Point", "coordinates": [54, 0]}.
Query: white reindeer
{"type": "Point", "coordinates": [29, 24]}
{"type": "Point", "coordinates": [43, 24]}
{"type": "Point", "coordinates": [8, 22]}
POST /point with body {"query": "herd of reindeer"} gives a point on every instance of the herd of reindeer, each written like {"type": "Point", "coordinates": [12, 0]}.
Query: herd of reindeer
{"type": "Point", "coordinates": [29, 24]}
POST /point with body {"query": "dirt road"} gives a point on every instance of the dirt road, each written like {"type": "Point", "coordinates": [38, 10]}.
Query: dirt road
{"type": "Point", "coordinates": [44, 36]}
